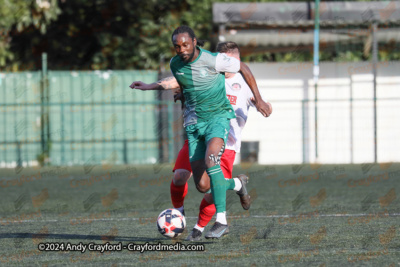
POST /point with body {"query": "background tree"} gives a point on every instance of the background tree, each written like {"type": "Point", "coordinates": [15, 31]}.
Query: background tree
{"type": "Point", "coordinates": [19, 17]}
{"type": "Point", "coordinates": [117, 34]}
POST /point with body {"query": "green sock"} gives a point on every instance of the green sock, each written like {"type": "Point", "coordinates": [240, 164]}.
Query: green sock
{"type": "Point", "coordinates": [230, 184]}
{"type": "Point", "coordinates": [218, 187]}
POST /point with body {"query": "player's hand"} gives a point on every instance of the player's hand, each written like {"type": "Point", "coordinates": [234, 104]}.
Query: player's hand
{"type": "Point", "coordinates": [179, 96]}
{"type": "Point", "coordinates": [265, 108]}
{"type": "Point", "coordinates": [140, 85]}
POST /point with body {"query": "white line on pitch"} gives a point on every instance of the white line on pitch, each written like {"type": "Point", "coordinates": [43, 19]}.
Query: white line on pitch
{"type": "Point", "coordinates": [321, 215]}
{"type": "Point", "coordinates": [252, 216]}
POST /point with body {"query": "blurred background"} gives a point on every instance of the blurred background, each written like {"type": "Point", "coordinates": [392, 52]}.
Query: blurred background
{"type": "Point", "coordinates": [330, 70]}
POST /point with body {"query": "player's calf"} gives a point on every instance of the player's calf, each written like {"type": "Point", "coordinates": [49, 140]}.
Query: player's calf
{"type": "Point", "coordinates": [201, 179]}
{"type": "Point", "coordinates": [181, 176]}
{"type": "Point", "coordinates": [178, 188]}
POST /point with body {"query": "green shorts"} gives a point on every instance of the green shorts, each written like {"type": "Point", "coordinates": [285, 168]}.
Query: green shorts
{"type": "Point", "coordinates": [201, 133]}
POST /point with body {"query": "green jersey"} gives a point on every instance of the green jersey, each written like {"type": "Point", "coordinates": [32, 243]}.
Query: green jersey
{"type": "Point", "coordinates": [203, 83]}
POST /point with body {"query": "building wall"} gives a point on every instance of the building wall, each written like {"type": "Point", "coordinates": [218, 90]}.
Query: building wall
{"type": "Point", "coordinates": [345, 126]}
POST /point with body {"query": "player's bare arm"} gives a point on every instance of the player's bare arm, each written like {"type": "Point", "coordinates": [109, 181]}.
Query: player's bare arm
{"type": "Point", "coordinates": [264, 108]}
{"type": "Point", "coordinates": [167, 83]}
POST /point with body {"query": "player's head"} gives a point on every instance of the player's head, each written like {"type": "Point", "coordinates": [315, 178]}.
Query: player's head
{"type": "Point", "coordinates": [185, 42]}
{"type": "Point", "coordinates": [232, 50]}
{"type": "Point", "coordinates": [229, 48]}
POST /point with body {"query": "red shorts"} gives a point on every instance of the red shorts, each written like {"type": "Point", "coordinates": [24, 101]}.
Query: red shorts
{"type": "Point", "coordinates": [227, 159]}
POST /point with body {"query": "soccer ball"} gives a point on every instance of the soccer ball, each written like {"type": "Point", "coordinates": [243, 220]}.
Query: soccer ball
{"type": "Point", "coordinates": [171, 223]}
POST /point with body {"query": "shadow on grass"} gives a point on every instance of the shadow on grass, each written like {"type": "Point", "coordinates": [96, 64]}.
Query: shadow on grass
{"type": "Point", "coordinates": [66, 237]}
{"type": "Point", "coordinates": [81, 237]}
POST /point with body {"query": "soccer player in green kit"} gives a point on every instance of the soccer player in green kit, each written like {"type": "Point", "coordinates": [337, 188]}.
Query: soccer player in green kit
{"type": "Point", "coordinates": [200, 74]}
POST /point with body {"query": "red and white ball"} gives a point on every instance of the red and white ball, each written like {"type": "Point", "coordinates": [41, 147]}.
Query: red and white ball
{"type": "Point", "coordinates": [171, 223]}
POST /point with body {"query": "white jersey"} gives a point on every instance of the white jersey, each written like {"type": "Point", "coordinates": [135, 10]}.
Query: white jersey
{"type": "Point", "coordinates": [239, 94]}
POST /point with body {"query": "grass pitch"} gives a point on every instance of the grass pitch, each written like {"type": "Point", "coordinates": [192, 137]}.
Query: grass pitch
{"type": "Point", "coordinates": [314, 215]}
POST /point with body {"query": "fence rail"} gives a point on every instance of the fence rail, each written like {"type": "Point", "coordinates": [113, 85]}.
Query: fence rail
{"type": "Point", "coordinates": [94, 117]}
{"type": "Point", "coordinates": [69, 117]}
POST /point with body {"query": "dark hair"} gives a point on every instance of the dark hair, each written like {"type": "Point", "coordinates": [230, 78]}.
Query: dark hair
{"type": "Point", "coordinates": [226, 47]}
{"type": "Point", "coordinates": [188, 30]}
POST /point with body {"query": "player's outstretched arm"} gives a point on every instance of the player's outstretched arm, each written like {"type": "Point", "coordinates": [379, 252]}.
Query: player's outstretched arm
{"type": "Point", "coordinates": [264, 108]}
{"type": "Point", "coordinates": [167, 83]}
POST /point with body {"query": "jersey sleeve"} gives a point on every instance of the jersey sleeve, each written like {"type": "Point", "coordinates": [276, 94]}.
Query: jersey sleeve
{"type": "Point", "coordinates": [172, 65]}
{"type": "Point", "coordinates": [225, 63]}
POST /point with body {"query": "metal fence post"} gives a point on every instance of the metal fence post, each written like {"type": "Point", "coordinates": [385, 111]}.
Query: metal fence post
{"type": "Point", "coordinates": [351, 121]}
{"type": "Point", "coordinates": [125, 151]}
{"type": "Point", "coordinates": [305, 122]}
{"type": "Point", "coordinates": [44, 112]}
{"type": "Point", "coordinates": [374, 66]}
{"type": "Point", "coordinates": [170, 132]}
{"type": "Point", "coordinates": [316, 71]}
{"type": "Point", "coordinates": [42, 118]}
{"type": "Point", "coordinates": [19, 158]}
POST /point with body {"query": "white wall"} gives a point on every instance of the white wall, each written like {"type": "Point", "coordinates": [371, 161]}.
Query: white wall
{"type": "Point", "coordinates": [285, 85]}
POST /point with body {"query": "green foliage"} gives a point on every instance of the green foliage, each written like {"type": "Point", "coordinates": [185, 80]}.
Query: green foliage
{"type": "Point", "coordinates": [108, 34]}
{"type": "Point", "coordinates": [104, 34]}
{"type": "Point", "coordinates": [19, 16]}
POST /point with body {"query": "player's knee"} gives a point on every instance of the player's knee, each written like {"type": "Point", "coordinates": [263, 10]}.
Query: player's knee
{"type": "Point", "coordinates": [181, 177]}
{"type": "Point", "coordinates": [201, 189]}
{"type": "Point", "coordinates": [203, 186]}
{"type": "Point", "coordinates": [212, 160]}
{"type": "Point", "coordinates": [213, 157]}
{"type": "Point", "coordinates": [209, 198]}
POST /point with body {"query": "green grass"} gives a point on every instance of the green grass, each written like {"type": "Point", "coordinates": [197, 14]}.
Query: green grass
{"type": "Point", "coordinates": [301, 215]}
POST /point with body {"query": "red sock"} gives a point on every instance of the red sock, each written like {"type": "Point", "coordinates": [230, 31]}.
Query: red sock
{"type": "Point", "coordinates": [178, 194]}
{"type": "Point", "coordinates": [206, 213]}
